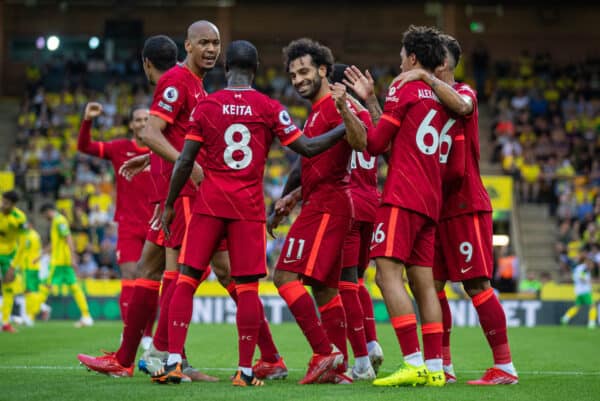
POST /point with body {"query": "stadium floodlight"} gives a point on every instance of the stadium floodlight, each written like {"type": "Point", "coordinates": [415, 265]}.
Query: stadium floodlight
{"type": "Point", "coordinates": [500, 240]}
{"type": "Point", "coordinates": [40, 43]}
{"type": "Point", "coordinates": [53, 43]}
{"type": "Point", "coordinates": [94, 42]}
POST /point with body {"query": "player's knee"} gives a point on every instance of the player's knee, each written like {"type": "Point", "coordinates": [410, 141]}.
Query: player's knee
{"type": "Point", "coordinates": [281, 278]}
{"type": "Point", "coordinates": [323, 295]}
{"type": "Point", "coordinates": [191, 272]}
{"type": "Point", "coordinates": [381, 279]}
{"type": "Point", "coordinates": [349, 274]}
{"type": "Point", "coordinates": [475, 286]}
{"type": "Point", "coordinates": [439, 285]}
{"type": "Point", "coordinates": [128, 271]}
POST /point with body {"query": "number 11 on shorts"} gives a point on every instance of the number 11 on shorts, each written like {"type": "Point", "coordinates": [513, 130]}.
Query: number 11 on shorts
{"type": "Point", "coordinates": [290, 248]}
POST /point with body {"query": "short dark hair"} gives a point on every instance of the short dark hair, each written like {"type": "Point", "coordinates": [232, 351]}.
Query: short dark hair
{"type": "Point", "coordinates": [337, 73]}
{"type": "Point", "coordinates": [453, 47]}
{"type": "Point", "coordinates": [426, 44]}
{"type": "Point", "coordinates": [241, 54]}
{"type": "Point", "coordinates": [320, 54]}
{"type": "Point", "coordinates": [47, 206]}
{"type": "Point", "coordinates": [161, 51]}
{"type": "Point", "coordinates": [12, 196]}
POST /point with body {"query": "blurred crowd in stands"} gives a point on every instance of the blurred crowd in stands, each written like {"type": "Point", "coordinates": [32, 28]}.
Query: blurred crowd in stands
{"type": "Point", "coordinates": [546, 131]}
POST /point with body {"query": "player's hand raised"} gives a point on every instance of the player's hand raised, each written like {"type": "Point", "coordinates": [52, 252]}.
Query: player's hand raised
{"type": "Point", "coordinates": [166, 220]}
{"type": "Point", "coordinates": [362, 84]}
{"type": "Point", "coordinates": [134, 166]}
{"type": "Point", "coordinates": [92, 110]}
{"type": "Point", "coordinates": [338, 93]}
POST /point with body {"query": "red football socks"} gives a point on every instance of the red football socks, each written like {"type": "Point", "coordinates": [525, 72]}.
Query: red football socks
{"type": "Point", "coordinates": [302, 307]}
{"type": "Point", "coordinates": [180, 314]}
{"type": "Point", "coordinates": [354, 318]}
{"type": "Point", "coordinates": [125, 296]}
{"type": "Point", "coordinates": [161, 337]}
{"type": "Point", "coordinates": [432, 340]}
{"type": "Point", "coordinates": [142, 303]}
{"type": "Point", "coordinates": [150, 325]}
{"type": "Point", "coordinates": [405, 327]}
{"type": "Point", "coordinates": [367, 307]}
{"type": "Point", "coordinates": [334, 323]}
{"type": "Point", "coordinates": [268, 349]}
{"type": "Point", "coordinates": [447, 322]}
{"type": "Point", "coordinates": [250, 315]}
{"type": "Point", "coordinates": [493, 323]}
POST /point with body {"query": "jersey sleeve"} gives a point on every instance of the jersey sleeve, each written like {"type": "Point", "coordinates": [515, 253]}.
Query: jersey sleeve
{"type": "Point", "coordinates": [466, 91]}
{"type": "Point", "coordinates": [457, 157]}
{"type": "Point", "coordinates": [63, 228]}
{"type": "Point", "coordinates": [86, 145]}
{"type": "Point", "coordinates": [197, 123]}
{"type": "Point", "coordinates": [282, 125]}
{"type": "Point", "coordinates": [169, 98]}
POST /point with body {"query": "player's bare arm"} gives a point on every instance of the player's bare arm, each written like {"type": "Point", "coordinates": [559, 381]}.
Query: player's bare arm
{"type": "Point", "coordinates": [310, 147]}
{"type": "Point", "coordinates": [459, 104]}
{"type": "Point", "coordinates": [181, 173]}
{"type": "Point", "coordinates": [356, 134]}
{"type": "Point", "coordinates": [364, 87]}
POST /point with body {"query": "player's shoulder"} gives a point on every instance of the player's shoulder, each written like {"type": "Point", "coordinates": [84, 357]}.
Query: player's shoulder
{"type": "Point", "coordinates": [407, 92]}
{"type": "Point", "coordinates": [18, 214]}
{"type": "Point", "coordinates": [464, 88]}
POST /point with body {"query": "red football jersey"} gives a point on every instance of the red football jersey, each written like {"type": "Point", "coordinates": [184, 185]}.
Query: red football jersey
{"type": "Point", "coordinates": [363, 185]}
{"type": "Point", "coordinates": [176, 94]}
{"type": "Point", "coordinates": [469, 194]}
{"type": "Point", "coordinates": [414, 123]}
{"type": "Point", "coordinates": [237, 127]}
{"type": "Point", "coordinates": [133, 197]}
{"type": "Point", "coordinates": [326, 177]}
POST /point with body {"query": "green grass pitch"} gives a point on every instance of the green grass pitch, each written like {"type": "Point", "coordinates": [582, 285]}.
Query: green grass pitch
{"type": "Point", "coordinates": [39, 363]}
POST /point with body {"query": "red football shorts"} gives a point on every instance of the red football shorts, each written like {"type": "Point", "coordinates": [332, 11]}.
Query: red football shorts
{"type": "Point", "coordinates": [314, 246]}
{"type": "Point", "coordinates": [130, 241]}
{"type": "Point", "coordinates": [404, 235]}
{"type": "Point", "coordinates": [463, 248]}
{"type": "Point", "coordinates": [156, 236]}
{"type": "Point", "coordinates": [356, 245]}
{"type": "Point", "coordinates": [183, 214]}
{"type": "Point", "coordinates": [246, 243]}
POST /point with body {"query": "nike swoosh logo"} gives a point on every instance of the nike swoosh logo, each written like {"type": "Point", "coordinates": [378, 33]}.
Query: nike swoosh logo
{"type": "Point", "coordinates": [373, 247]}
{"type": "Point", "coordinates": [286, 261]}
{"type": "Point", "coordinates": [129, 154]}
{"type": "Point", "coordinates": [463, 271]}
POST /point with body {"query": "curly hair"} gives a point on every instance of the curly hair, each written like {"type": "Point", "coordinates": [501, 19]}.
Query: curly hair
{"type": "Point", "coordinates": [161, 51]}
{"type": "Point", "coordinates": [320, 54]}
{"type": "Point", "coordinates": [426, 44]}
{"type": "Point", "coordinates": [453, 47]}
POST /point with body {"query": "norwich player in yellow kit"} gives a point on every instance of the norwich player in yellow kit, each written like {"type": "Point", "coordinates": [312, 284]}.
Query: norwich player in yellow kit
{"type": "Point", "coordinates": [12, 222]}
{"type": "Point", "coordinates": [63, 261]}
{"type": "Point", "coordinates": [27, 260]}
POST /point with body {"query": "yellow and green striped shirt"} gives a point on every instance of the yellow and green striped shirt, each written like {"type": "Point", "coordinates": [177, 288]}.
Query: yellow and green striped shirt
{"type": "Point", "coordinates": [59, 232]}
{"type": "Point", "coordinates": [11, 226]}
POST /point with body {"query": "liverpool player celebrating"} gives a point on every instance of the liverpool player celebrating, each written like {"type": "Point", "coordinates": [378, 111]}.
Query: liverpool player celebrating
{"type": "Point", "coordinates": [464, 241]}
{"type": "Point", "coordinates": [414, 123]}
{"type": "Point", "coordinates": [235, 127]}
{"type": "Point", "coordinates": [313, 247]}
{"type": "Point", "coordinates": [159, 55]}
{"type": "Point", "coordinates": [133, 210]}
